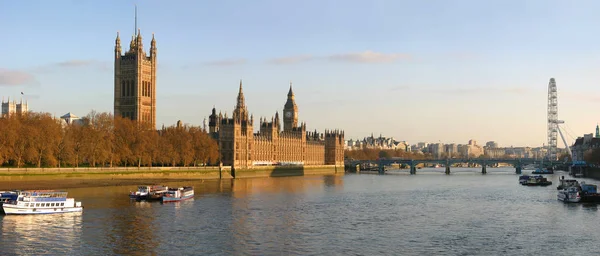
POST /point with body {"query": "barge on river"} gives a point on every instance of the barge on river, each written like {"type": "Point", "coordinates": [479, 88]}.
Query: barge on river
{"type": "Point", "coordinates": [582, 193]}
{"type": "Point", "coordinates": [537, 180]}
{"type": "Point", "coordinates": [149, 192]}
{"type": "Point", "coordinates": [178, 194]}
{"type": "Point", "coordinates": [41, 202]}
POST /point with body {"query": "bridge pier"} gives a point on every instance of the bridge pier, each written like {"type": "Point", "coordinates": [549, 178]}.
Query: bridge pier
{"type": "Point", "coordinates": [413, 167]}
{"type": "Point", "coordinates": [447, 169]}
{"type": "Point", "coordinates": [518, 169]}
{"type": "Point", "coordinates": [381, 169]}
{"type": "Point", "coordinates": [483, 169]}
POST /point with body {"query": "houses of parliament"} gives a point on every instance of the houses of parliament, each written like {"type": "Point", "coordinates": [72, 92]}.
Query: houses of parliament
{"type": "Point", "coordinates": [135, 81]}
{"type": "Point", "coordinates": [239, 146]}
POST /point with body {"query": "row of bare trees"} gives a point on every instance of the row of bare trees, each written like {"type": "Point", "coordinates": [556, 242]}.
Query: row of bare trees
{"type": "Point", "coordinates": [99, 139]}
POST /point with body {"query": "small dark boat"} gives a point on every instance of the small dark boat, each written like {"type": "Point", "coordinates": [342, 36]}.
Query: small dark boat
{"type": "Point", "coordinates": [149, 192]}
{"type": "Point", "coordinates": [523, 179]}
{"type": "Point", "coordinates": [538, 180]}
{"type": "Point", "coordinates": [543, 171]}
{"type": "Point", "coordinates": [589, 193]}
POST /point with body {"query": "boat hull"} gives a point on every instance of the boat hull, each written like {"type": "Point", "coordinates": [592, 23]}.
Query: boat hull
{"type": "Point", "coordinates": [569, 197]}
{"type": "Point", "coordinates": [590, 198]}
{"type": "Point", "coordinates": [541, 184]}
{"type": "Point", "coordinates": [167, 199]}
{"type": "Point", "coordinates": [15, 210]}
{"type": "Point", "coordinates": [542, 172]}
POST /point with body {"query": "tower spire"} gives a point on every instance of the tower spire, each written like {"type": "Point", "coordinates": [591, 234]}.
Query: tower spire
{"type": "Point", "coordinates": [290, 93]}
{"type": "Point", "coordinates": [135, 29]}
{"type": "Point", "coordinates": [240, 99]}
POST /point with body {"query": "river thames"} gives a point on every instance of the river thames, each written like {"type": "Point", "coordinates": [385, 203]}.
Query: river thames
{"type": "Point", "coordinates": [430, 213]}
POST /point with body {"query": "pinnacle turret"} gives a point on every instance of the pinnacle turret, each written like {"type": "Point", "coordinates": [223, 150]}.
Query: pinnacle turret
{"type": "Point", "coordinates": [241, 103]}
{"type": "Point", "coordinates": [118, 45]}
{"type": "Point", "coordinates": [290, 93]}
{"type": "Point", "coordinates": [118, 40]}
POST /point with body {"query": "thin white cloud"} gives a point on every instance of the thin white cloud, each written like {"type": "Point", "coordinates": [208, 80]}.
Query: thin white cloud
{"type": "Point", "coordinates": [291, 59]}
{"type": "Point", "coordinates": [76, 63]}
{"type": "Point", "coordinates": [228, 62]}
{"type": "Point", "coordinates": [15, 77]}
{"type": "Point", "coordinates": [93, 64]}
{"type": "Point", "coordinates": [369, 57]}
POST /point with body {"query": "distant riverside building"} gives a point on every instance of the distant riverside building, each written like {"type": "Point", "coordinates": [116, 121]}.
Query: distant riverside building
{"type": "Point", "coordinates": [584, 145]}
{"type": "Point", "coordinates": [241, 148]}
{"type": "Point", "coordinates": [516, 152]}
{"type": "Point", "coordinates": [12, 107]}
{"type": "Point", "coordinates": [451, 150]}
{"type": "Point", "coordinates": [491, 144]}
{"type": "Point", "coordinates": [437, 150]}
{"type": "Point", "coordinates": [135, 81]}
{"type": "Point", "coordinates": [69, 118]}
{"type": "Point", "coordinates": [373, 142]}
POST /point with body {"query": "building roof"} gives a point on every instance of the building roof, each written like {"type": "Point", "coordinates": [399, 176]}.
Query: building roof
{"type": "Point", "coordinates": [69, 115]}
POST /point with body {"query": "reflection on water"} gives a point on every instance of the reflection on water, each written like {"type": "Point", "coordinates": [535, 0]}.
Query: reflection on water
{"type": "Point", "coordinates": [40, 234]}
{"type": "Point", "coordinates": [355, 214]}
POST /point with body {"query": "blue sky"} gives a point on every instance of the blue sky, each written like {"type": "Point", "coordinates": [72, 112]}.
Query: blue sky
{"type": "Point", "coordinates": [431, 71]}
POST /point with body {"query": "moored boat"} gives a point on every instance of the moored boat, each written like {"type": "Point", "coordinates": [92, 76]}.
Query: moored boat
{"type": "Point", "coordinates": [523, 179]}
{"type": "Point", "coordinates": [538, 180]}
{"type": "Point", "coordinates": [580, 193]}
{"type": "Point", "coordinates": [569, 195]}
{"type": "Point", "coordinates": [149, 192]}
{"type": "Point", "coordinates": [178, 194]}
{"type": "Point", "coordinates": [589, 193]}
{"type": "Point", "coordinates": [542, 171]}
{"type": "Point", "coordinates": [7, 196]}
{"type": "Point", "coordinates": [41, 202]}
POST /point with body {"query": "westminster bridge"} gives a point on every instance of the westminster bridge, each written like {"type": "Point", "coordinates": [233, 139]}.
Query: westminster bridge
{"type": "Point", "coordinates": [380, 164]}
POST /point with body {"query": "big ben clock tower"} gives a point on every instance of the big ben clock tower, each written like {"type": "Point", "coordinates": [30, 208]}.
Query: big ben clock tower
{"type": "Point", "coordinates": [290, 112]}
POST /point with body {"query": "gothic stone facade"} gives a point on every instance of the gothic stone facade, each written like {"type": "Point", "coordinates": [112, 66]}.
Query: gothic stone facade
{"type": "Point", "coordinates": [241, 148]}
{"type": "Point", "coordinates": [135, 81]}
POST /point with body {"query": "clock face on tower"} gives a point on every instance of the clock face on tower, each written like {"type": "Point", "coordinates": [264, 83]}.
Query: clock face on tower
{"type": "Point", "coordinates": [288, 114]}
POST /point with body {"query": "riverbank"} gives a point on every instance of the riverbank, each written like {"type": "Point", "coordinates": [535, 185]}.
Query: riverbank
{"type": "Point", "coordinates": [54, 178]}
{"type": "Point", "coordinates": [29, 183]}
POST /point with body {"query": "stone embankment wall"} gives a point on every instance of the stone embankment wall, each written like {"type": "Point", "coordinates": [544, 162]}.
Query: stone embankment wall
{"type": "Point", "coordinates": [282, 171]}
{"type": "Point", "coordinates": [213, 172]}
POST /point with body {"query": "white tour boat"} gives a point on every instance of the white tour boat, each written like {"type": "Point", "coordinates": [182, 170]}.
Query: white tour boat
{"type": "Point", "coordinates": [569, 195]}
{"type": "Point", "coordinates": [41, 202]}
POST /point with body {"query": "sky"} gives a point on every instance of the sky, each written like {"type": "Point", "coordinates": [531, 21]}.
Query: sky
{"type": "Point", "coordinates": [431, 70]}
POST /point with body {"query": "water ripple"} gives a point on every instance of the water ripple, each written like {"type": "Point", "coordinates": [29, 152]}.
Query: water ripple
{"type": "Point", "coordinates": [465, 213]}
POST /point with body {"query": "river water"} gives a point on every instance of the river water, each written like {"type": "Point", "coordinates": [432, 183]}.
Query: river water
{"type": "Point", "coordinates": [430, 213]}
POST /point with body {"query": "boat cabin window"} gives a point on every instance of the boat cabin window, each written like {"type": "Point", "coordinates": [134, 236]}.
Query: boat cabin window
{"type": "Point", "coordinates": [37, 204]}
{"type": "Point", "coordinates": [62, 204]}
